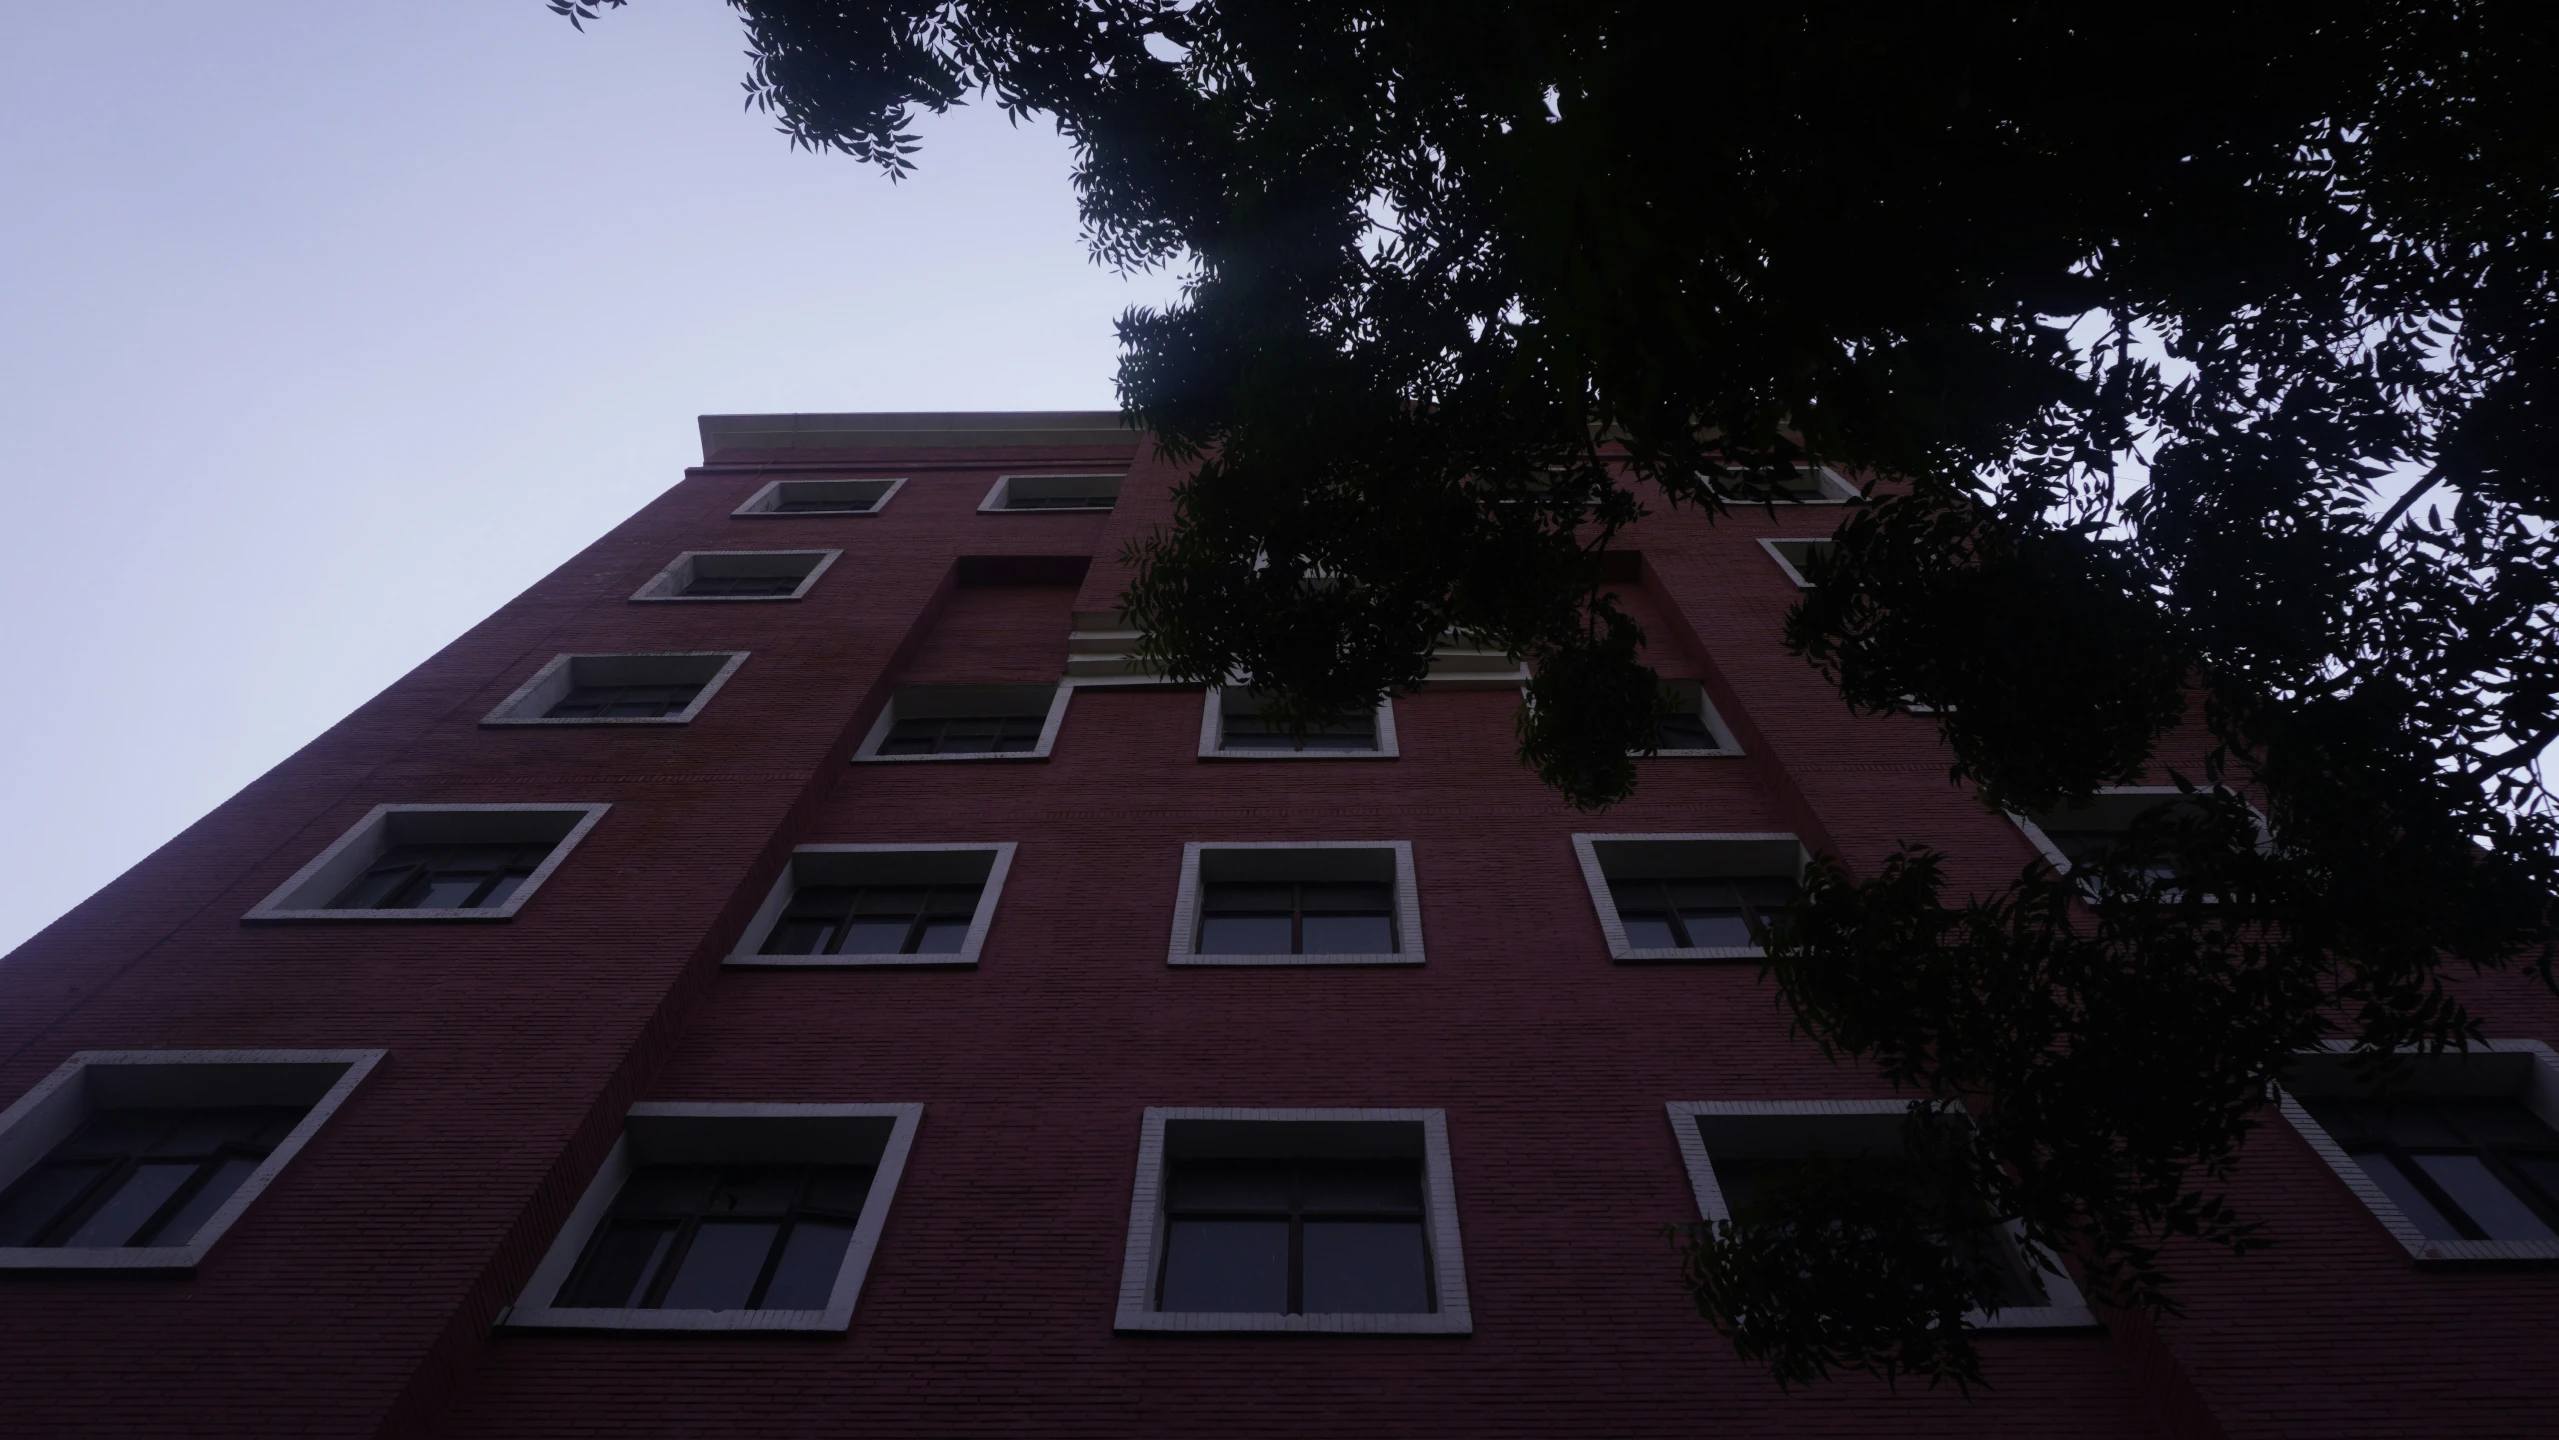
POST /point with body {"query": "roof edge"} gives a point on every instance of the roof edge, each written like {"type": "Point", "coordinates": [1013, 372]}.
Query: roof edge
{"type": "Point", "coordinates": [872, 429]}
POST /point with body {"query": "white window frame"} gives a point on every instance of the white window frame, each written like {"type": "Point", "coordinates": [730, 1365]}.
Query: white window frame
{"type": "Point", "coordinates": [1766, 849]}
{"type": "Point", "coordinates": [764, 1136]}
{"type": "Point", "coordinates": [1834, 487]}
{"type": "Point", "coordinates": [1186, 905]}
{"type": "Point", "coordinates": [868, 752]}
{"type": "Point", "coordinates": [305, 896]}
{"type": "Point", "coordinates": [2068, 1309]}
{"type": "Point", "coordinates": [47, 1115]}
{"type": "Point", "coordinates": [1213, 735]}
{"type": "Point", "coordinates": [552, 683]}
{"type": "Point", "coordinates": [1146, 1231]}
{"type": "Point", "coordinates": [1001, 492]}
{"type": "Point", "coordinates": [1725, 745]}
{"type": "Point", "coordinates": [667, 586]}
{"type": "Point", "coordinates": [787, 884]}
{"type": "Point", "coordinates": [2322, 1072]}
{"type": "Point", "coordinates": [764, 503]}
{"type": "Point", "coordinates": [1770, 544]}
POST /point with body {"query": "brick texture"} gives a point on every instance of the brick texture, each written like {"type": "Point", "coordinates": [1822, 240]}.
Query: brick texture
{"type": "Point", "coordinates": [360, 1294]}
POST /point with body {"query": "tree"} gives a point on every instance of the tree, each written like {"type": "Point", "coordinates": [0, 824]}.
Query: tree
{"type": "Point", "coordinates": [2140, 313]}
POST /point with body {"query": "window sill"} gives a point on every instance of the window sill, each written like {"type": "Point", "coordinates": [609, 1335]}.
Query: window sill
{"type": "Point", "coordinates": [1250, 755]}
{"type": "Point", "coordinates": [494, 912]}
{"type": "Point", "coordinates": [1668, 955]}
{"type": "Point", "coordinates": [1194, 958]}
{"type": "Point", "coordinates": [1208, 1322]}
{"type": "Point", "coordinates": [851, 962]}
{"type": "Point", "coordinates": [1012, 755]}
{"type": "Point", "coordinates": [733, 1322]}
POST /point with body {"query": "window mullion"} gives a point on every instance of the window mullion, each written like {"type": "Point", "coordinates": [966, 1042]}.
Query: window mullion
{"type": "Point", "coordinates": [661, 1282]}
{"type": "Point", "coordinates": [2426, 1186]}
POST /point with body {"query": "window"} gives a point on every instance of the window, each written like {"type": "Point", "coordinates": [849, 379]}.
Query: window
{"type": "Point", "coordinates": [878, 905]}
{"type": "Point", "coordinates": [1341, 1220]}
{"type": "Point", "coordinates": [967, 722]}
{"type": "Point", "coordinates": [433, 862]}
{"type": "Point", "coordinates": [1800, 485]}
{"type": "Point", "coordinates": [2087, 832]}
{"type": "Point", "coordinates": [1692, 727]}
{"type": "Point", "coordinates": [726, 1217]}
{"type": "Point", "coordinates": [668, 689]}
{"type": "Point", "coordinates": [1733, 1149]}
{"type": "Point", "coordinates": [738, 575]}
{"type": "Point", "coordinates": [1297, 903]}
{"type": "Point", "coordinates": [820, 497]}
{"type": "Point", "coordinates": [1688, 897]}
{"type": "Point", "coordinates": [1053, 492]}
{"type": "Point", "coordinates": [1232, 727]}
{"type": "Point", "coordinates": [2457, 1154]}
{"type": "Point", "coordinates": [1797, 557]}
{"type": "Point", "coordinates": [142, 1159]}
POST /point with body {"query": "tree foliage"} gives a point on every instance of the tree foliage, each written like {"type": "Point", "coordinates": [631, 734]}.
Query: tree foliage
{"type": "Point", "coordinates": [2142, 313]}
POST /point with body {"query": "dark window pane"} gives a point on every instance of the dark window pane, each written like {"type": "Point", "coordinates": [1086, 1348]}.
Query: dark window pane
{"type": "Point", "coordinates": [618, 1265]}
{"type": "Point", "coordinates": [134, 1202]}
{"type": "Point", "coordinates": [2411, 1201]}
{"type": "Point", "coordinates": [912, 737]}
{"type": "Point", "coordinates": [953, 902]}
{"type": "Point", "coordinates": [1365, 1267]}
{"type": "Point", "coordinates": [2542, 1171]}
{"type": "Point", "coordinates": [874, 937]}
{"type": "Point", "coordinates": [1229, 1266]}
{"type": "Point", "coordinates": [719, 1268]}
{"type": "Point", "coordinates": [840, 1189]}
{"type": "Point", "coordinates": [798, 937]}
{"type": "Point", "coordinates": [904, 902]}
{"type": "Point", "coordinates": [805, 1279]}
{"type": "Point", "coordinates": [504, 886]}
{"type": "Point", "coordinates": [202, 1132]}
{"type": "Point", "coordinates": [447, 892]}
{"type": "Point", "coordinates": [1230, 899]}
{"type": "Point", "coordinates": [1685, 732]}
{"type": "Point", "coordinates": [1352, 899]}
{"type": "Point", "coordinates": [2491, 1204]}
{"type": "Point", "coordinates": [1716, 928]}
{"type": "Point", "coordinates": [766, 1192]}
{"type": "Point", "coordinates": [1256, 1186]}
{"type": "Point", "coordinates": [374, 889]}
{"type": "Point", "coordinates": [1349, 935]}
{"type": "Point", "coordinates": [38, 1200]}
{"type": "Point", "coordinates": [1245, 935]}
{"type": "Point", "coordinates": [228, 1174]}
{"type": "Point", "coordinates": [1370, 1187]}
{"type": "Point", "coordinates": [666, 1190]}
{"type": "Point", "coordinates": [1638, 897]}
{"type": "Point", "coordinates": [1643, 933]}
{"type": "Point", "coordinates": [942, 937]}
{"type": "Point", "coordinates": [2501, 1122]}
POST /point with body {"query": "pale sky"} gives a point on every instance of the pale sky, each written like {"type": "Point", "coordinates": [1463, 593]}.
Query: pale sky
{"type": "Point", "coordinates": [327, 327]}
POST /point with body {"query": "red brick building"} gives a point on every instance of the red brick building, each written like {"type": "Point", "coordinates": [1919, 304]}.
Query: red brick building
{"type": "Point", "coordinates": [788, 973]}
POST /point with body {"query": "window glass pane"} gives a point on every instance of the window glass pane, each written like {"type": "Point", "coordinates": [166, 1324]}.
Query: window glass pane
{"type": "Point", "coordinates": [618, 1265]}
{"type": "Point", "coordinates": [1716, 928]}
{"type": "Point", "coordinates": [942, 937]}
{"type": "Point", "coordinates": [374, 890]}
{"type": "Point", "coordinates": [1766, 896]}
{"type": "Point", "coordinates": [1685, 732]}
{"type": "Point", "coordinates": [1366, 898]}
{"type": "Point", "coordinates": [227, 1176]}
{"type": "Point", "coordinates": [719, 1268]}
{"type": "Point", "coordinates": [1226, 899]}
{"type": "Point", "coordinates": [201, 1132]}
{"type": "Point", "coordinates": [1247, 1185]}
{"type": "Point", "coordinates": [1388, 1186]}
{"type": "Point", "coordinates": [1349, 935]}
{"type": "Point", "coordinates": [446, 892]}
{"type": "Point", "coordinates": [2541, 1170]}
{"type": "Point", "coordinates": [1648, 934]}
{"type": "Point", "coordinates": [1637, 897]}
{"type": "Point", "coordinates": [954, 902]}
{"type": "Point", "coordinates": [912, 737]}
{"type": "Point", "coordinates": [840, 1189]}
{"type": "Point", "coordinates": [2496, 1122]}
{"type": "Point", "coordinates": [2490, 1203]}
{"type": "Point", "coordinates": [901, 901]}
{"type": "Point", "coordinates": [666, 1190]}
{"type": "Point", "coordinates": [2411, 1201]}
{"type": "Point", "coordinates": [805, 1279]}
{"type": "Point", "coordinates": [38, 1200]}
{"type": "Point", "coordinates": [120, 1132]}
{"type": "Point", "coordinates": [1365, 1267]}
{"type": "Point", "coordinates": [1244, 935]}
{"type": "Point", "coordinates": [2412, 1121]}
{"type": "Point", "coordinates": [1231, 1266]}
{"type": "Point", "coordinates": [970, 733]}
{"type": "Point", "coordinates": [755, 1192]}
{"type": "Point", "coordinates": [874, 937]}
{"type": "Point", "coordinates": [133, 1204]}
{"type": "Point", "coordinates": [506, 885]}
{"type": "Point", "coordinates": [797, 937]}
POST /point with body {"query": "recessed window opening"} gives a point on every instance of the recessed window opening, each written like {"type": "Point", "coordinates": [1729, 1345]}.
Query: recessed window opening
{"type": "Point", "coordinates": [145, 1175]}
{"type": "Point", "coordinates": [2456, 1152]}
{"type": "Point", "coordinates": [1054, 492]}
{"type": "Point", "coordinates": [1692, 726]}
{"type": "Point", "coordinates": [878, 905]}
{"type": "Point", "coordinates": [1737, 1152]}
{"type": "Point", "coordinates": [1683, 897]}
{"type": "Point", "coordinates": [1295, 1237]}
{"type": "Point", "coordinates": [820, 497]}
{"type": "Point", "coordinates": [964, 734]}
{"type": "Point", "coordinates": [1796, 484]}
{"type": "Point", "coordinates": [737, 1237]}
{"type": "Point", "coordinates": [1799, 558]}
{"type": "Point", "coordinates": [875, 920]}
{"type": "Point", "coordinates": [966, 721]}
{"type": "Point", "coordinates": [619, 689]}
{"type": "Point", "coordinates": [1243, 726]}
{"type": "Point", "coordinates": [140, 1160]}
{"type": "Point", "coordinates": [2098, 831]}
{"type": "Point", "coordinates": [738, 575]}
{"type": "Point", "coordinates": [1355, 917]}
{"type": "Point", "coordinates": [1320, 902]}
{"type": "Point", "coordinates": [443, 877]}
{"type": "Point", "coordinates": [2462, 1168]}
{"type": "Point", "coordinates": [622, 702]}
{"type": "Point", "coordinates": [433, 862]}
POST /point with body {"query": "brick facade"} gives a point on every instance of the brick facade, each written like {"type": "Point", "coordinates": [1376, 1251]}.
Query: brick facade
{"type": "Point", "coordinates": [363, 1292]}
